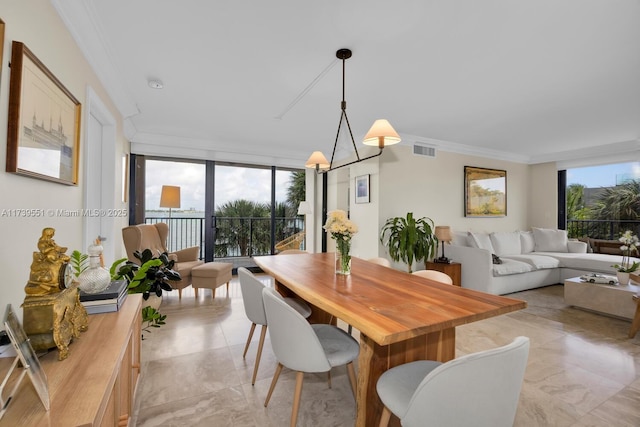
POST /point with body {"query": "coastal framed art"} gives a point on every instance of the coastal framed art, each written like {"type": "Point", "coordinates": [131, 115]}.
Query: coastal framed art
{"type": "Point", "coordinates": [362, 189]}
{"type": "Point", "coordinates": [485, 192]}
{"type": "Point", "coordinates": [43, 137]}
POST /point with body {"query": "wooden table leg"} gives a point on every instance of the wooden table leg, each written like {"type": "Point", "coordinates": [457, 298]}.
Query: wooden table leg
{"type": "Point", "coordinates": [374, 359]}
{"type": "Point", "coordinates": [635, 324]}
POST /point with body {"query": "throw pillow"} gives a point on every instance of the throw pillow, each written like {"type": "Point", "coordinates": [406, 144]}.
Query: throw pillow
{"type": "Point", "coordinates": [496, 259]}
{"type": "Point", "coordinates": [527, 243]}
{"type": "Point", "coordinates": [548, 240]}
{"type": "Point", "coordinates": [506, 243]}
{"type": "Point", "coordinates": [481, 241]}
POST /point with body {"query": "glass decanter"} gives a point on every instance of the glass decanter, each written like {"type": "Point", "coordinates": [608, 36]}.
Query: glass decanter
{"type": "Point", "coordinates": [95, 278]}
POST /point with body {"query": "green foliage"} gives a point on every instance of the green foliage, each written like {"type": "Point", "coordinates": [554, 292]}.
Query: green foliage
{"type": "Point", "coordinates": [79, 262]}
{"type": "Point", "coordinates": [152, 319]}
{"type": "Point", "coordinates": [152, 276]}
{"type": "Point", "coordinates": [409, 239]}
{"type": "Point", "coordinates": [296, 192]}
{"type": "Point", "coordinates": [621, 202]}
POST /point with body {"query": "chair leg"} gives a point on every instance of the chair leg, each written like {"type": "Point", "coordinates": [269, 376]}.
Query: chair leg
{"type": "Point", "coordinates": [213, 293]}
{"type": "Point", "coordinates": [227, 289]}
{"type": "Point", "coordinates": [246, 347]}
{"type": "Point", "coordinates": [263, 333]}
{"type": "Point", "coordinates": [276, 375]}
{"type": "Point", "coordinates": [179, 293]}
{"type": "Point", "coordinates": [352, 377]}
{"type": "Point", "coordinates": [385, 417]}
{"type": "Point", "coordinates": [195, 290]}
{"type": "Point", "coordinates": [296, 398]}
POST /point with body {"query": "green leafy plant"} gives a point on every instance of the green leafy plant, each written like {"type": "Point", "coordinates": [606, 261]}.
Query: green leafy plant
{"type": "Point", "coordinates": [409, 239]}
{"type": "Point", "coordinates": [152, 318]}
{"type": "Point", "coordinates": [79, 262]}
{"type": "Point", "coordinates": [150, 277]}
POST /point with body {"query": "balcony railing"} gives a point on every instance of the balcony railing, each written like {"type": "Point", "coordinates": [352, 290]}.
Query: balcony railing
{"type": "Point", "coordinates": [601, 229]}
{"type": "Point", "coordinates": [234, 237]}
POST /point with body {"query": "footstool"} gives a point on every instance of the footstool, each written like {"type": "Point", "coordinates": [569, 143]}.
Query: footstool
{"type": "Point", "coordinates": [210, 275]}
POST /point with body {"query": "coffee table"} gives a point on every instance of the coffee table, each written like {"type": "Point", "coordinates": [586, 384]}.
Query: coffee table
{"type": "Point", "coordinates": [612, 300]}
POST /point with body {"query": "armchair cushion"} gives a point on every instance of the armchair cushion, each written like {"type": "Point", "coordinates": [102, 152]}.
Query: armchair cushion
{"type": "Point", "coordinates": [187, 254]}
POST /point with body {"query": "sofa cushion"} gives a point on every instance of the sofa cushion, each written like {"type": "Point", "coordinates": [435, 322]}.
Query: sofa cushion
{"type": "Point", "coordinates": [480, 241]}
{"type": "Point", "coordinates": [588, 262]}
{"type": "Point", "coordinates": [527, 243]}
{"type": "Point", "coordinates": [505, 243]}
{"type": "Point", "coordinates": [549, 240]}
{"type": "Point", "coordinates": [510, 266]}
{"type": "Point", "coordinates": [539, 262]}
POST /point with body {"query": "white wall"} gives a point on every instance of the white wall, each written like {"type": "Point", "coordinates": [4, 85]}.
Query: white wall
{"type": "Point", "coordinates": [37, 25]}
{"type": "Point", "coordinates": [543, 196]}
{"type": "Point", "coordinates": [434, 187]}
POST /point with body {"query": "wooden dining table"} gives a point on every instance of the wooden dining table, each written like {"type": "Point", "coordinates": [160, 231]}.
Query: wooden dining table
{"type": "Point", "coordinates": [401, 317]}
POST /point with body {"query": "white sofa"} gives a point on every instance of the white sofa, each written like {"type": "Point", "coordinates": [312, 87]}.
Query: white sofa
{"type": "Point", "coordinates": [530, 259]}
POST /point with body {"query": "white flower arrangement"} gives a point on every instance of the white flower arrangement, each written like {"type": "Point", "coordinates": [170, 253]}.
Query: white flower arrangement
{"type": "Point", "coordinates": [629, 246]}
{"type": "Point", "coordinates": [339, 226]}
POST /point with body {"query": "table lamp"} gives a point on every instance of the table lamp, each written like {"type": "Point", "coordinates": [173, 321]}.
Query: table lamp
{"type": "Point", "coordinates": [443, 234]}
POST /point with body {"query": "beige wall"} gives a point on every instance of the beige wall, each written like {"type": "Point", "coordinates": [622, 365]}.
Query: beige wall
{"type": "Point", "coordinates": [38, 26]}
{"type": "Point", "coordinates": [543, 196]}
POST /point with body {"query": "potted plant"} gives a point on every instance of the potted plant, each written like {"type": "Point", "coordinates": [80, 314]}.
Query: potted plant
{"type": "Point", "coordinates": [149, 278]}
{"type": "Point", "coordinates": [629, 246]}
{"type": "Point", "coordinates": [409, 239]}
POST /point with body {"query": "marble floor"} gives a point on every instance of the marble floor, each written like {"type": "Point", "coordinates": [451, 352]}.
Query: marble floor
{"type": "Point", "coordinates": [582, 369]}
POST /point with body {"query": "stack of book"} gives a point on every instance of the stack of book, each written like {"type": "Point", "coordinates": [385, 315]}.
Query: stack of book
{"type": "Point", "coordinates": [109, 300]}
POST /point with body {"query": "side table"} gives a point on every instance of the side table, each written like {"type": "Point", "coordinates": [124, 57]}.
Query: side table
{"type": "Point", "coordinates": [453, 270]}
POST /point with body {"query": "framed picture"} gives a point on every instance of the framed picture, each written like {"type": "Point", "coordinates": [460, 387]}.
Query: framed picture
{"type": "Point", "coordinates": [27, 356]}
{"type": "Point", "coordinates": [485, 192]}
{"type": "Point", "coordinates": [43, 138]}
{"type": "Point", "coordinates": [362, 189]}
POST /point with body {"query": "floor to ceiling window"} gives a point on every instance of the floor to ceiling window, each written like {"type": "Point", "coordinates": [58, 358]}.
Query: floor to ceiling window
{"type": "Point", "coordinates": [603, 201]}
{"type": "Point", "coordinates": [240, 211]}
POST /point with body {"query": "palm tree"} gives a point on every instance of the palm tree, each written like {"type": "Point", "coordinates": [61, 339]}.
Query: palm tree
{"type": "Point", "coordinates": [618, 204]}
{"type": "Point", "coordinates": [296, 192]}
{"type": "Point", "coordinates": [621, 202]}
{"type": "Point", "coordinates": [234, 231]}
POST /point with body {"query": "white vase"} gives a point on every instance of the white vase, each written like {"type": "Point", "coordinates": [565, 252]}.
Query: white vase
{"type": "Point", "coordinates": [623, 278]}
{"type": "Point", "coordinates": [153, 301]}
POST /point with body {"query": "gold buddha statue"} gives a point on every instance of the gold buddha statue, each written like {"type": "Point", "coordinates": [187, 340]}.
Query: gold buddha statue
{"type": "Point", "coordinates": [47, 267]}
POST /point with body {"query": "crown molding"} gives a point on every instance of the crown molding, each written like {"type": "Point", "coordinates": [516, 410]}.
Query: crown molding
{"type": "Point", "coordinates": [80, 19]}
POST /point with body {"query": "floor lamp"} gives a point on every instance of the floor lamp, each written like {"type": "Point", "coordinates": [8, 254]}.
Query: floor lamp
{"type": "Point", "coordinates": [170, 198]}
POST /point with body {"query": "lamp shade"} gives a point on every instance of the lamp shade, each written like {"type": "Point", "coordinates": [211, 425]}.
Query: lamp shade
{"type": "Point", "coordinates": [443, 233]}
{"type": "Point", "coordinates": [317, 160]}
{"type": "Point", "coordinates": [170, 196]}
{"type": "Point", "coordinates": [304, 208]}
{"type": "Point", "coordinates": [381, 134]}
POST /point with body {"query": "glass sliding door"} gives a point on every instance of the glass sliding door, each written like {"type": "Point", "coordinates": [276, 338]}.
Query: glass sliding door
{"type": "Point", "coordinates": [186, 221]}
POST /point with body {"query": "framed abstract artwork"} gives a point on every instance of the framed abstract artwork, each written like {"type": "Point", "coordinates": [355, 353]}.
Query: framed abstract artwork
{"type": "Point", "coordinates": [362, 189]}
{"type": "Point", "coordinates": [485, 192]}
{"type": "Point", "coordinates": [43, 137]}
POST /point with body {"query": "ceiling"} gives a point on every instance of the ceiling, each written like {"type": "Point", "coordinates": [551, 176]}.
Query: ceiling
{"type": "Point", "coordinates": [258, 81]}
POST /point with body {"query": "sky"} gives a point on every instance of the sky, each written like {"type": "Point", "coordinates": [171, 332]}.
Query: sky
{"type": "Point", "coordinates": [231, 183]}
{"type": "Point", "coordinates": [603, 176]}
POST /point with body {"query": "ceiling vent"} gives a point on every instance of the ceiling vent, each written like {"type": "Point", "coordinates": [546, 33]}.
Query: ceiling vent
{"type": "Point", "coordinates": [421, 149]}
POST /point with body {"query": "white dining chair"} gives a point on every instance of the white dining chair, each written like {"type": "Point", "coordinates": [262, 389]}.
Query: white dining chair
{"type": "Point", "coordinates": [475, 390]}
{"type": "Point", "coordinates": [303, 347]}
{"type": "Point", "coordinates": [438, 276]}
{"type": "Point", "coordinates": [254, 309]}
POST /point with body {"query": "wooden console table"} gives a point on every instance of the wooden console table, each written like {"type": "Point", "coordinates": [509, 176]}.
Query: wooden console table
{"type": "Point", "coordinates": [635, 323]}
{"type": "Point", "coordinates": [95, 385]}
{"type": "Point", "coordinates": [453, 270]}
